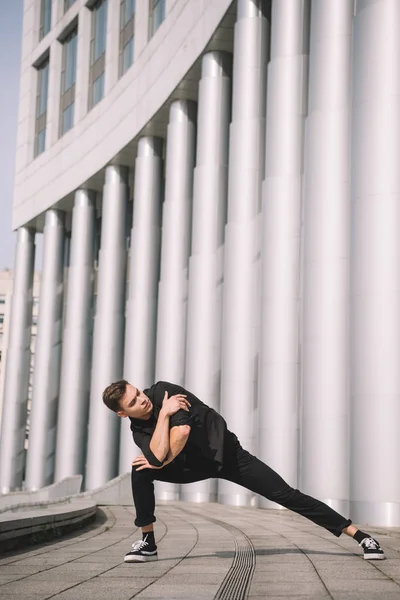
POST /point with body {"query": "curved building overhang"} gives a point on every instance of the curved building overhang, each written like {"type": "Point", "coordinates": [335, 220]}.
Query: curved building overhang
{"type": "Point", "coordinates": [167, 68]}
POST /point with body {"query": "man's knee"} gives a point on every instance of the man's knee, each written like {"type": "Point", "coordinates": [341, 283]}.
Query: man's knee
{"type": "Point", "coordinates": [142, 475]}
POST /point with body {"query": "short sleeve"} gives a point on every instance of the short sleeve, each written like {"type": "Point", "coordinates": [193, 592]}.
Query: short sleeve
{"type": "Point", "coordinates": [182, 417]}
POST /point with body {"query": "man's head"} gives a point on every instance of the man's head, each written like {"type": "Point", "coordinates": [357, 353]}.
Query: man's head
{"type": "Point", "coordinates": [127, 401]}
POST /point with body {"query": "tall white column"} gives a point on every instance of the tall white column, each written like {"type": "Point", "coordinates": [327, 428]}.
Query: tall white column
{"type": "Point", "coordinates": [76, 354]}
{"type": "Point", "coordinates": [240, 327]}
{"type": "Point", "coordinates": [325, 368]}
{"type": "Point", "coordinates": [109, 325]}
{"type": "Point", "coordinates": [175, 249]}
{"type": "Point", "coordinates": [282, 190]}
{"type": "Point", "coordinates": [13, 423]}
{"type": "Point", "coordinates": [375, 266]}
{"type": "Point", "coordinates": [175, 245]}
{"type": "Point", "coordinates": [203, 342]}
{"type": "Point", "coordinates": [144, 272]}
{"type": "Point", "coordinates": [46, 376]}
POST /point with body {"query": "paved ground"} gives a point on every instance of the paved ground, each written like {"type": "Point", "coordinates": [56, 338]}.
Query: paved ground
{"type": "Point", "coordinates": [206, 551]}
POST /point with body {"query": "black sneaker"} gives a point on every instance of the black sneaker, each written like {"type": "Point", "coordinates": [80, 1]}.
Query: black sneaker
{"type": "Point", "coordinates": [142, 551]}
{"type": "Point", "coordinates": [372, 550]}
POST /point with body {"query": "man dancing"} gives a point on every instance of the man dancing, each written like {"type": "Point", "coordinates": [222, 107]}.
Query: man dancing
{"type": "Point", "coordinates": [183, 440]}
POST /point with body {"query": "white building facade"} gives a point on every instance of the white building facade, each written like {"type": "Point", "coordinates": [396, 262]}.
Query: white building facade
{"type": "Point", "coordinates": [229, 170]}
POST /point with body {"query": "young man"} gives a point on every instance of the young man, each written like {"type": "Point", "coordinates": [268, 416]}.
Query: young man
{"type": "Point", "coordinates": [183, 441]}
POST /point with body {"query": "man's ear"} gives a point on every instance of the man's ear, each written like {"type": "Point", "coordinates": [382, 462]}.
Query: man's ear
{"type": "Point", "coordinates": [122, 414]}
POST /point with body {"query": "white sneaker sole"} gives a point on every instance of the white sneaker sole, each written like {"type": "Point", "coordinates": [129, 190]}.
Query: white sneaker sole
{"type": "Point", "coordinates": [374, 556]}
{"type": "Point", "coordinates": [143, 558]}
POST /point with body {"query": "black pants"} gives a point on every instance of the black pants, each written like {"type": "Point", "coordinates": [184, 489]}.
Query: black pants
{"type": "Point", "coordinates": [244, 469]}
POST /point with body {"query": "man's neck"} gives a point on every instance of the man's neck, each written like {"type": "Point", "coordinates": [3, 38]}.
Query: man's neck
{"type": "Point", "coordinates": [144, 418]}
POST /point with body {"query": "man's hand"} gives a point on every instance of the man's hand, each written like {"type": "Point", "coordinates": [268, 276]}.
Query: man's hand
{"type": "Point", "coordinates": [141, 463]}
{"type": "Point", "coordinates": [174, 403]}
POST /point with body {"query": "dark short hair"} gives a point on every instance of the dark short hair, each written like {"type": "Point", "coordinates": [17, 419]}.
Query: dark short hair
{"type": "Point", "coordinates": [113, 394]}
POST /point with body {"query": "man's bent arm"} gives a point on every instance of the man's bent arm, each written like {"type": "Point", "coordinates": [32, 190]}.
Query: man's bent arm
{"type": "Point", "coordinates": [160, 443]}
{"type": "Point", "coordinates": [160, 440]}
{"type": "Point", "coordinates": [177, 441]}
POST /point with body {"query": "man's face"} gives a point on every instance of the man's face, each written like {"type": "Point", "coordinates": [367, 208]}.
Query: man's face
{"type": "Point", "coordinates": [135, 403]}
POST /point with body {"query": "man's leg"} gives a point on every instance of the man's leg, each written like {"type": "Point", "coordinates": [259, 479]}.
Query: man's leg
{"type": "Point", "coordinates": [143, 489]}
{"type": "Point", "coordinates": [144, 500]}
{"type": "Point", "coordinates": [258, 477]}
{"type": "Point", "coordinates": [143, 496]}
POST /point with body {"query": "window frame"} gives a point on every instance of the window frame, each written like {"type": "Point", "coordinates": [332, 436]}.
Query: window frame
{"type": "Point", "coordinates": [67, 95]}
{"type": "Point", "coordinates": [153, 5]}
{"type": "Point", "coordinates": [41, 117]}
{"type": "Point", "coordinates": [126, 37]}
{"type": "Point", "coordinates": [68, 4]}
{"type": "Point", "coordinates": [97, 65]}
{"type": "Point", "coordinates": [45, 10]}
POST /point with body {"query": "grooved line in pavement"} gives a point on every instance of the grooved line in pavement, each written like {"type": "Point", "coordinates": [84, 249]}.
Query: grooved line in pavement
{"type": "Point", "coordinates": [303, 552]}
{"type": "Point", "coordinates": [317, 535]}
{"type": "Point", "coordinates": [236, 583]}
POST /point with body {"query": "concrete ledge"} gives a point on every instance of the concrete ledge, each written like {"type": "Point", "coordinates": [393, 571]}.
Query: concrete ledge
{"type": "Point", "coordinates": [115, 492]}
{"type": "Point", "coordinates": [33, 517]}
{"type": "Point", "coordinates": [38, 523]}
{"type": "Point", "coordinates": [70, 486]}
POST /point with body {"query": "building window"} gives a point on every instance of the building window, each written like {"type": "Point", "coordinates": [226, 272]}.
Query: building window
{"type": "Point", "coordinates": [126, 35]}
{"type": "Point", "coordinates": [97, 52]}
{"type": "Point", "coordinates": [68, 4]}
{"type": "Point", "coordinates": [41, 107]}
{"type": "Point", "coordinates": [1, 321]}
{"type": "Point", "coordinates": [45, 18]}
{"type": "Point", "coordinates": [156, 15]}
{"type": "Point", "coordinates": [2, 299]}
{"type": "Point", "coordinates": [68, 79]}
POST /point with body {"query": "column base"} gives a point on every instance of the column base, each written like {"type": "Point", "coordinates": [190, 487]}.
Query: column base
{"type": "Point", "coordinates": [379, 514]}
{"type": "Point", "coordinates": [264, 503]}
{"type": "Point", "coordinates": [238, 500]}
{"type": "Point", "coordinates": [167, 491]}
{"type": "Point", "coordinates": [236, 495]}
{"type": "Point", "coordinates": [199, 497]}
{"type": "Point", "coordinates": [341, 506]}
{"type": "Point", "coordinates": [167, 496]}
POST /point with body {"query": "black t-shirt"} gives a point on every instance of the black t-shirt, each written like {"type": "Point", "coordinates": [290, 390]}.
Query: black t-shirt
{"type": "Point", "coordinates": [208, 436]}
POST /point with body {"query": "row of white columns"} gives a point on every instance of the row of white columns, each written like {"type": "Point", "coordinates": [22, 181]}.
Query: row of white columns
{"type": "Point", "coordinates": [266, 282]}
